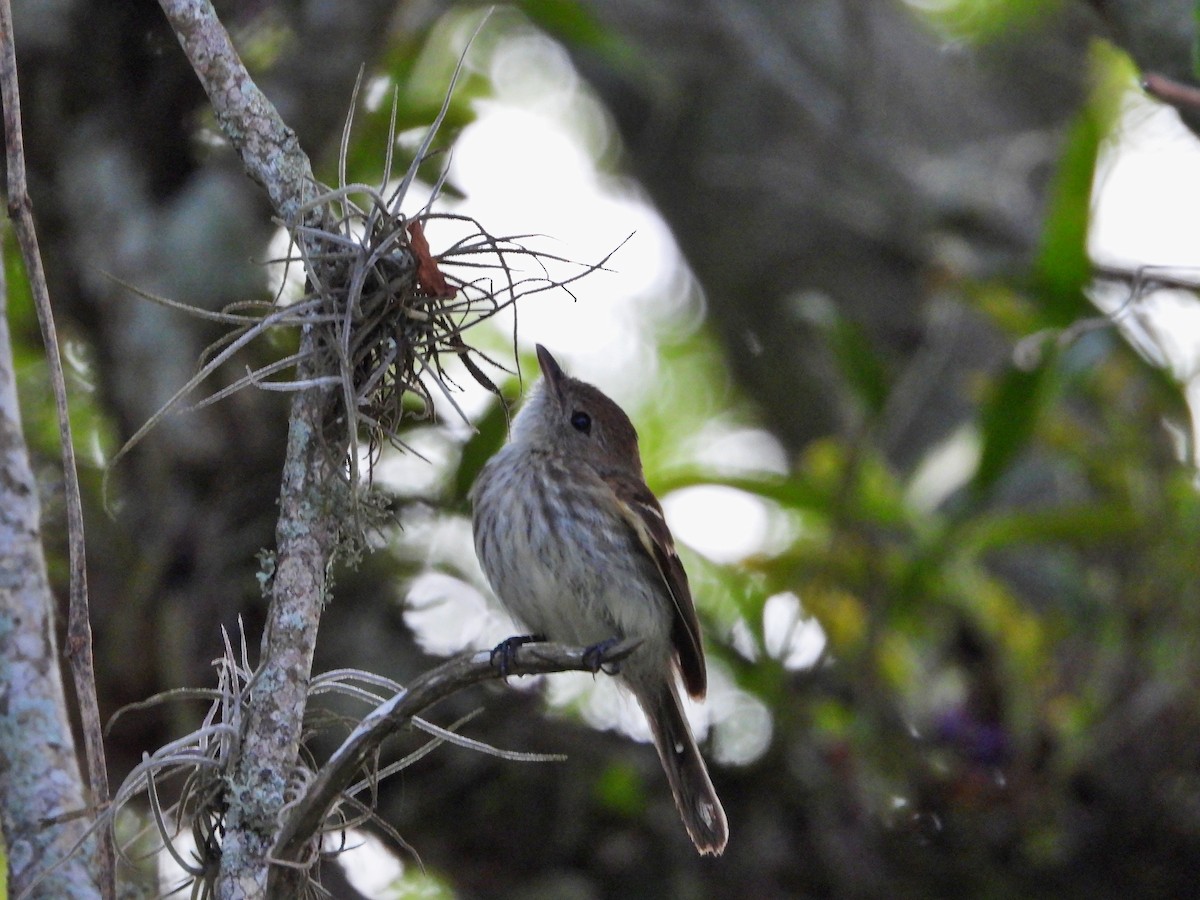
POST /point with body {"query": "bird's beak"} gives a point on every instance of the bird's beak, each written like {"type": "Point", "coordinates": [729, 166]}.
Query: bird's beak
{"type": "Point", "coordinates": [551, 370]}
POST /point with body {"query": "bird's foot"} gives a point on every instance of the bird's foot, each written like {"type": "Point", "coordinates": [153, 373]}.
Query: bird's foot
{"type": "Point", "coordinates": [594, 657]}
{"type": "Point", "coordinates": [505, 651]}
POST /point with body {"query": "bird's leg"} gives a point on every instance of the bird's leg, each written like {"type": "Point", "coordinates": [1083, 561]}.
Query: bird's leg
{"type": "Point", "coordinates": [593, 656]}
{"type": "Point", "coordinates": [503, 652]}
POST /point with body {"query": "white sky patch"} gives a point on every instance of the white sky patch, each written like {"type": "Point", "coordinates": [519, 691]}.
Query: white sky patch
{"type": "Point", "coordinates": [371, 866]}
{"type": "Point", "coordinates": [170, 874]}
{"type": "Point", "coordinates": [416, 475]}
{"type": "Point", "coordinates": [1147, 213]}
{"type": "Point", "coordinates": [528, 166]}
{"type": "Point", "coordinates": [793, 637]}
{"type": "Point", "coordinates": [447, 615]}
{"type": "Point", "coordinates": [524, 175]}
{"type": "Point", "coordinates": [742, 728]}
{"type": "Point", "coordinates": [723, 449]}
{"type": "Point", "coordinates": [947, 466]}
{"type": "Point", "coordinates": [724, 524]}
{"type": "Point", "coordinates": [1147, 197]}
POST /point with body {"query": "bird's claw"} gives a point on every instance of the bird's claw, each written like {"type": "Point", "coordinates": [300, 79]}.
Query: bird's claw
{"type": "Point", "coordinates": [504, 652]}
{"type": "Point", "coordinates": [594, 657]}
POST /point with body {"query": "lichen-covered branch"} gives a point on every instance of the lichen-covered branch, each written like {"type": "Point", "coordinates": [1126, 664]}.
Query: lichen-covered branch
{"type": "Point", "coordinates": [268, 148]}
{"type": "Point", "coordinates": [305, 539]}
{"type": "Point", "coordinates": [310, 491]}
{"type": "Point", "coordinates": [40, 778]}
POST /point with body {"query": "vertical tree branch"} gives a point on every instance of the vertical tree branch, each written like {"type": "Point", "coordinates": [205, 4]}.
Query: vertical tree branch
{"type": "Point", "coordinates": [305, 537]}
{"type": "Point", "coordinates": [268, 148]}
{"type": "Point", "coordinates": [79, 629]}
{"type": "Point", "coordinates": [40, 778]}
{"type": "Point", "coordinates": [307, 527]}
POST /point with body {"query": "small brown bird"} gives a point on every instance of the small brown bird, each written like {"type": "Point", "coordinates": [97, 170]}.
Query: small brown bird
{"type": "Point", "coordinates": [577, 549]}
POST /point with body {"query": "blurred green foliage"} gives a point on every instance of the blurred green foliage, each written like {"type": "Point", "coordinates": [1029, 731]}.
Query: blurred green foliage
{"type": "Point", "coordinates": [92, 431]}
{"type": "Point", "coordinates": [992, 662]}
{"type": "Point", "coordinates": [981, 21]}
{"type": "Point", "coordinates": [418, 885]}
{"type": "Point", "coordinates": [1063, 268]}
{"type": "Point", "coordinates": [1196, 41]}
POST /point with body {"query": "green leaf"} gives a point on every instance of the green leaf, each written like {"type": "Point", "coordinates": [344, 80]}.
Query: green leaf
{"type": "Point", "coordinates": [826, 486]}
{"type": "Point", "coordinates": [488, 438]}
{"type": "Point", "coordinates": [619, 788]}
{"type": "Point", "coordinates": [788, 492]}
{"type": "Point", "coordinates": [1007, 421]}
{"type": "Point", "coordinates": [983, 21]}
{"type": "Point", "coordinates": [1196, 40]}
{"type": "Point", "coordinates": [861, 365]}
{"type": "Point", "coordinates": [1062, 267]}
{"type": "Point", "coordinates": [1093, 524]}
{"type": "Point", "coordinates": [575, 24]}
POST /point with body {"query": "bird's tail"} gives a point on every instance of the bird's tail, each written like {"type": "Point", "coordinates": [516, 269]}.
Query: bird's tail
{"type": "Point", "coordinates": [694, 794]}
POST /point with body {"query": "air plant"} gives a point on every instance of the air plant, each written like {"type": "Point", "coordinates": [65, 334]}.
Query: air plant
{"type": "Point", "coordinates": [383, 310]}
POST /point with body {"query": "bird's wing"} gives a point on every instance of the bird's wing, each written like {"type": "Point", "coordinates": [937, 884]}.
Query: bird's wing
{"type": "Point", "coordinates": [641, 510]}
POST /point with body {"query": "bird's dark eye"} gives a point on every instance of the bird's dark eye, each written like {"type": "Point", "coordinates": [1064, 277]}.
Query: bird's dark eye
{"type": "Point", "coordinates": [581, 421]}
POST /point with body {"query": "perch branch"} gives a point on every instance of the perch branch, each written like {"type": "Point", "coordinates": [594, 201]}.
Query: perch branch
{"type": "Point", "coordinates": [305, 817]}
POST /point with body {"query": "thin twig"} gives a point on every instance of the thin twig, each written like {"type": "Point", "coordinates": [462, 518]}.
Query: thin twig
{"type": "Point", "coordinates": [1168, 90]}
{"type": "Point", "coordinates": [1146, 278]}
{"type": "Point", "coordinates": [79, 628]}
{"type": "Point", "coordinates": [304, 819]}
